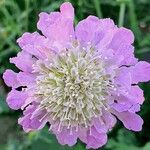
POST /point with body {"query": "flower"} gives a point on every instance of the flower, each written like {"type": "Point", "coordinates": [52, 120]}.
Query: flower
{"type": "Point", "coordinates": [77, 80]}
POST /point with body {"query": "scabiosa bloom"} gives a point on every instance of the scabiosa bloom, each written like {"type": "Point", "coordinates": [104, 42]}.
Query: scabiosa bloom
{"type": "Point", "coordinates": [77, 80]}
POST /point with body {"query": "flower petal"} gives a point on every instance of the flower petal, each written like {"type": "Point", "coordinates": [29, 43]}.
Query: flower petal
{"type": "Point", "coordinates": [92, 29]}
{"type": "Point", "coordinates": [34, 44]}
{"type": "Point", "coordinates": [30, 123]}
{"type": "Point", "coordinates": [95, 139]}
{"type": "Point", "coordinates": [127, 51]}
{"type": "Point", "coordinates": [121, 37]}
{"type": "Point", "coordinates": [123, 78]}
{"type": "Point", "coordinates": [58, 26]}
{"type": "Point", "coordinates": [16, 99]}
{"type": "Point", "coordinates": [67, 10]}
{"type": "Point", "coordinates": [109, 119]}
{"type": "Point", "coordinates": [107, 24]}
{"type": "Point", "coordinates": [121, 107]}
{"type": "Point", "coordinates": [65, 137]}
{"type": "Point", "coordinates": [134, 108]}
{"type": "Point", "coordinates": [26, 79]}
{"type": "Point", "coordinates": [86, 29]}
{"type": "Point", "coordinates": [140, 72]}
{"type": "Point", "coordinates": [23, 61]}
{"type": "Point", "coordinates": [130, 120]}
{"type": "Point", "coordinates": [136, 95]}
{"type": "Point", "coordinates": [129, 102]}
{"type": "Point", "coordinates": [83, 134]}
{"type": "Point", "coordinates": [10, 78]}
{"type": "Point", "coordinates": [99, 125]}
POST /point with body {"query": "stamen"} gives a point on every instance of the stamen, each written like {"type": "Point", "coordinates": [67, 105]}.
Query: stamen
{"type": "Point", "coordinates": [72, 84]}
{"type": "Point", "coordinates": [71, 132]}
{"type": "Point", "coordinates": [59, 126]}
{"type": "Point", "coordinates": [90, 131]}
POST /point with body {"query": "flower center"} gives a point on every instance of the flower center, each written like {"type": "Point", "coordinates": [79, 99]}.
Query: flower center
{"type": "Point", "coordinates": [73, 87]}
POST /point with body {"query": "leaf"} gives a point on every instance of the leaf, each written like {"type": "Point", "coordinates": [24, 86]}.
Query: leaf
{"type": "Point", "coordinates": [3, 106]}
{"type": "Point", "coordinates": [126, 140]}
{"type": "Point", "coordinates": [147, 146]}
{"type": "Point", "coordinates": [2, 147]}
{"type": "Point", "coordinates": [47, 141]}
{"type": "Point", "coordinates": [13, 144]}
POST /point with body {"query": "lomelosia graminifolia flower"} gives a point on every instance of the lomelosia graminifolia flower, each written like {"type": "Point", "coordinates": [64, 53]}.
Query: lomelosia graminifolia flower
{"type": "Point", "coordinates": [78, 80]}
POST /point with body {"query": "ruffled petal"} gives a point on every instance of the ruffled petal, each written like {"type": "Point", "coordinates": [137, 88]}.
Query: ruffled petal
{"type": "Point", "coordinates": [121, 38]}
{"type": "Point", "coordinates": [134, 108]}
{"type": "Point", "coordinates": [99, 125]}
{"type": "Point", "coordinates": [83, 134]}
{"type": "Point", "coordinates": [92, 29]}
{"type": "Point", "coordinates": [58, 26]}
{"type": "Point", "coordinates": [136, 95]}
{"type": "Point", "coordinates": [130, 120]}
{"type": "Point", "coordinates": [107, 24]}
{"type": "Point", "coordinates": [123, 78]}
{"type": "Point", "coordinates": [25, 123]}
{"type": "Point", "coordinates": [127, 52]}
{"type": "Point", "coordinates": [46, 21]}
{"type": "Point", "coordinates": [96, 139]}
{"type": "Point", "coordinates": [121, 107]}
{"type": "Point", "coordinates": [140, 72]}
{"type": "Point", "coordinates": [67, 10]}
{"type": "Point", "coordinates": [86, 29]}
{"type": "Point", "coordinates": [126, 106]}
{"type": "Point", "coordinates": [23, 61]}
{"type": "Point", "coordinates": [34, 44]}
{"type": "Point", "coordinates": [16, 99]}
{"type": "Point", "coordinates": [129, 102]}
{"type": "Point", "coordinates": [30, 123]}
{"type": "Point", "coordinates": [109, 119]}
{"type": "Point", "coordinates": [10, 78]}
{"type": "Point", "coordinates": [26, 79]}
{"type": "Point", "coordinates": [65, 137]}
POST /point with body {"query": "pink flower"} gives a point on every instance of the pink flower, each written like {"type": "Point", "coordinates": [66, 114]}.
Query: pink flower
{"type": "Point", "coordinates": [77, 80]}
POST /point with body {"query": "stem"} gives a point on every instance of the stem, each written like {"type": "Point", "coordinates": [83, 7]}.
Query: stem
{"type": "Point", "coordinates": [98, 8]}
{"type": "Point", "coordinates": [134, 21]}
{"type": "Point", "coordinates": [27, 13]}
{"type": "Point", "coordinates": [121, 14]}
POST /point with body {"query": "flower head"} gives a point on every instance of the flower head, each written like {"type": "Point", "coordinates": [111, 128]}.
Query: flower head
{"type": "Point", "coordinates": [77, 80]}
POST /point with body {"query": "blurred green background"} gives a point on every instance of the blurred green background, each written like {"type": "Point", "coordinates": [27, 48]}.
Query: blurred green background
{"type": "Point", "coordinates": [19, 16]}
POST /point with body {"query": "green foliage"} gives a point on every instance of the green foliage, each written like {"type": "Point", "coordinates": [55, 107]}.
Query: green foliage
{"type": "Point", "coordinates": [125, 140]}
{"type": "Point", "coordinates": [19, 16]}
{"type": "Point", "coordinates": [3, 106]}
{"type": "Point", "coordinates": [42, 140]}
